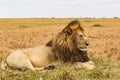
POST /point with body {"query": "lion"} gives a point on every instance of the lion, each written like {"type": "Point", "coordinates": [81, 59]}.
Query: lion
{"type": "Point", "coordinates": [70, 45]}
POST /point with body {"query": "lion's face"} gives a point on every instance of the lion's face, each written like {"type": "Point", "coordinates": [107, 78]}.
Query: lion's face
{"type": "Point", "coordinates": [80, 40]}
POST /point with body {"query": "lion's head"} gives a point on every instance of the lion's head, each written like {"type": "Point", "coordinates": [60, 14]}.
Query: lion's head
{"type": "Point", "coordinates": [70, 45]}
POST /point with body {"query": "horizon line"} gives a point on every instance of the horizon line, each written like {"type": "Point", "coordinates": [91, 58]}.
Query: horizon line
{"type": "Point", "coordinates": [60, 17]}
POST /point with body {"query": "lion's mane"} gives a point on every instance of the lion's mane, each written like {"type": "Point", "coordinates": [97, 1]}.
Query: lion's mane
{"type": "Point", "coordinates": [63, 45]}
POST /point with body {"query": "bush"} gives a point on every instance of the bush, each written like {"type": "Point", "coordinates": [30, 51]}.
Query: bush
{"type": "Point", "coordinates": [22, 26]}
{"type": "Point", "coordinates": [98, 25]}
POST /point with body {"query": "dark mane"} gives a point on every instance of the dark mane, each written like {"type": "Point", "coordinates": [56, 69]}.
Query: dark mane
{"type": "Point", "coordinates": [63, 45]}
{"type": "Point", "coordinates": [72, 23]}
{"type": "Point", "coordinates": [64, 50]}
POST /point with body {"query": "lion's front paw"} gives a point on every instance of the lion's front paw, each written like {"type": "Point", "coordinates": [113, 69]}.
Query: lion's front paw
{"type": "Point", "coordinates": [87, 65]}
{"type": "Point", "coordinates": [90, 62]}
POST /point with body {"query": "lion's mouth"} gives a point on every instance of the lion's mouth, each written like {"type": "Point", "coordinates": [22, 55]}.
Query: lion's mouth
{"type": "Point", "coordinates": [83, 49]}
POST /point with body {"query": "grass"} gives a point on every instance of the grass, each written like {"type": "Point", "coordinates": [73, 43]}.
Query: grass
{"type": "Point", "coordinates": [105, 70]}
{"type": "Point", "coordinates": [29, 32]}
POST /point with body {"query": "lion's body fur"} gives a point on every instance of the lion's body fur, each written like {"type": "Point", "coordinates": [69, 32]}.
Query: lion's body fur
{"type": "Point", "coordinates": [29, 58]}
{"type": "Point", "coordinates": [67, 46]}
{"type": "Point", "coordinates": [39, 55]}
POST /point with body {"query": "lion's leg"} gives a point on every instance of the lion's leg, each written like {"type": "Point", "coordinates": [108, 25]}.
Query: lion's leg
{"type": "Point", "coordinates": [47, 67]}
{"type": "Point", "coordinates": [87, 65]}
{"type": "Point", "coordinates": [19, 60]}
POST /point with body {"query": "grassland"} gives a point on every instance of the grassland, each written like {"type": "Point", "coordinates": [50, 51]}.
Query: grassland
{"type": "Point", "coordinates": [104, 49]}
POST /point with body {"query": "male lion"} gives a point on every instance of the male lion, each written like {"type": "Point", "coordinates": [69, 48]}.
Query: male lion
{"type": "Point", "coordinates": [70, 45]}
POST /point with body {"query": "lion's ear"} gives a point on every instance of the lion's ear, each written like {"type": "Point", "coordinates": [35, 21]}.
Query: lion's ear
{"type": "Point", "coordinates": [68, 31]}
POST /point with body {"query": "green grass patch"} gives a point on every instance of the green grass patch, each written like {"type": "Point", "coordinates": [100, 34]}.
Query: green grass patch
{"type": "Point", "coordinates": [106, 69]}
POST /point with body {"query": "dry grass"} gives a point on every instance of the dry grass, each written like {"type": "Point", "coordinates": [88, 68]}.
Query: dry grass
{"type": "Point", "coordinates": [104, 47]}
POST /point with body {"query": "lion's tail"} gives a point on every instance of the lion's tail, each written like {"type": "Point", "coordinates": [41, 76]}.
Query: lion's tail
{"type": "Point", "coordinates": [3, 65]}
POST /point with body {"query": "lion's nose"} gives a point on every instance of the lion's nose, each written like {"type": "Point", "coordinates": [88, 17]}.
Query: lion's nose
{"type": "Point", "coordinates": [86, 43]}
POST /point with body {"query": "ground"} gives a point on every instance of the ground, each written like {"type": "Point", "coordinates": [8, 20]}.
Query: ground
{"type": "Point", "coordinates": [104, 49]}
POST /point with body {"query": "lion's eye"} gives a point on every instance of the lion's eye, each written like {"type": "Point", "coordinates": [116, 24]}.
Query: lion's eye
{"type": "Point", "coordinates": [81, 35]}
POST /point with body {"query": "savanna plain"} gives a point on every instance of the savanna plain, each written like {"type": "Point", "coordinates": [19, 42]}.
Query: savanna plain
{"type": "Point", "coordinates": [104, 48]}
